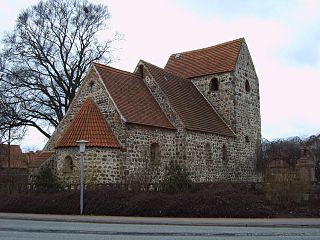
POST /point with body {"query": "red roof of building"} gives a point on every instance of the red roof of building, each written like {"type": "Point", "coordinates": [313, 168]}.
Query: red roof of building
{"type": "Point", "coordinates": [136, 104]}
{"type": "Point", "coordinates": [37, 158]}
{"type": "Point", "coordinates": [88, 124]}
{"type": "Point", "coordinates": [216, 59]}
{"type": "Point", "coordinates": [132, 97]}
{"type": "Point", "coordinates": [192, 108]}
{"type": "Point", "coordinates": [17, 159]}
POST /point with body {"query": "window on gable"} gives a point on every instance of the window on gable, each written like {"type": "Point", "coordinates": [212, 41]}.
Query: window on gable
{"type": "Point", "coordinates": [68, 164]}
{"type": "Point", "coordinates": [247, 86]}
{"type": "Point", "coordinates": [155, 153]}
{"type": "Point", "coordinates": [141, 71]}
{"type": "Point", "coordinates": [214, 85]}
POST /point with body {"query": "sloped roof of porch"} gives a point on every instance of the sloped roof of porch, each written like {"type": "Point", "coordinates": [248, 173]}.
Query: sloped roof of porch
{"type": "Point", "coordinates": [88, 124]}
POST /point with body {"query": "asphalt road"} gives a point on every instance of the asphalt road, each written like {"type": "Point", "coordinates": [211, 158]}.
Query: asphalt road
{"type": "Point", "coordinates": [50, 227]}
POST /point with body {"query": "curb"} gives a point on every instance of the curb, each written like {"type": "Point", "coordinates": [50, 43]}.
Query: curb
{"type": "Point", "coordinates": [221, 222]}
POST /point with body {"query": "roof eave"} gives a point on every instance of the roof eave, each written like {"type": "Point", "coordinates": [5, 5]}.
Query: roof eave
{"type": "Point", "coordinates": [203, 75]}
{"type": "Point", "coordinates": [233, 135]}
{"type": "Point", "coordinates": [153, 126]}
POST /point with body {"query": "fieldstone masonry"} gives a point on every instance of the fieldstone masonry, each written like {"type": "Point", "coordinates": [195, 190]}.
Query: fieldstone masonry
{"type": "Point", "coordinates": [208, 157]}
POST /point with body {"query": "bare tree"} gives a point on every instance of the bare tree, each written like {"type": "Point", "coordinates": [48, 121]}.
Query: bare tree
{"type": "Point", "coordinates": [10, 129]}
{"type": "Point", "coordinates": [287, 150]}
{"type": "Point", "coordinates": [45, 58]}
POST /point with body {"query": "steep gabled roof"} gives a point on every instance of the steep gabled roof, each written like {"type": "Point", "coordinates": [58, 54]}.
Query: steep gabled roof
{"type": "Point", "coordinates": [88, 124]}
{"type": "Point", "coordinates": [132, 97]}
{"type": "Point", "coordinates": [194, 111]}
{"type": "Point", "coordinates": [216, 59]}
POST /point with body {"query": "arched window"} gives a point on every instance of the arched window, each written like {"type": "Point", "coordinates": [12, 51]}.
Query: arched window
{"type": "Point", "coordinates": [247, 86]}
{"type": "Point", "coordinates": [155, 153]}
{"type": "Point", "coordinates": [214, 84]}
{"type": "Point", "coordinates": [68, 164]}
{"type": "Point", "coordinates": [247, 139]}
{"type": "Point", "coordinates": [208, 154]}
{"type": "Point", "coordinates": [224, 154]}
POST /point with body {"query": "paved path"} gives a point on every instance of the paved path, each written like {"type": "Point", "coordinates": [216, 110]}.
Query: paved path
{"type": "Point", "coordinates": [238, 222]}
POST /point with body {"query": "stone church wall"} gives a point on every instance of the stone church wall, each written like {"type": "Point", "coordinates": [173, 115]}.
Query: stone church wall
{"type": "Point", "coordinates": [237, 101]}
{"type": "Point", "coordinates": [101, 165]}
{"type": "Point", "coordinates": [137, 155]}
{"type": "Point", "coordinates": [170, 113]}
{"type": "Point", "coordinates": [247, 110]}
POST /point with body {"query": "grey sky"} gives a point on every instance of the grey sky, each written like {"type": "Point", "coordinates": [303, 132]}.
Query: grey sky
{"type": "Point", "coordinates": [282, 35]}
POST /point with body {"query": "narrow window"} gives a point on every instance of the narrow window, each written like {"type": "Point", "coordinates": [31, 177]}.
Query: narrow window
{"type": "Point", "coordinates": [247, 86]}
{"type": "Point", "coordinates": [68, 164]}
{"type": "Point", "coordinates": [155, 153]}
{"type": "Point", "coordinates": [247, 139]}
{"type": "Point", "coordinates": [224, 154]}
{"type": "Point", "coordinates": [214, 85]}
{"type": "Point", "coordinates": [141, 70]}
{"type": "Point", "coordinates": [208, 154]}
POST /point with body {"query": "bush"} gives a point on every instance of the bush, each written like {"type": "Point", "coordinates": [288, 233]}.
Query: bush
{"type": "Point", "coordinates": [175, 180]}
{"type": "Point", "coordinates": [47, 181]}
{"type": "Point", "coordinates": [210, 200]}
{"type": "Point", "coordinates": [285, 188]}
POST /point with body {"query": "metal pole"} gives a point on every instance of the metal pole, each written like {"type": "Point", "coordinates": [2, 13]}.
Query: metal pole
{"type": "Point", "coordinates": [81, 182]}
{"type": "Point", "coordinates": [82, 149]}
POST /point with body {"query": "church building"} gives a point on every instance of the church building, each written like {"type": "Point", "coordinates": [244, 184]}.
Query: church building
{"type": "Point", "coordinates": [201, 111]}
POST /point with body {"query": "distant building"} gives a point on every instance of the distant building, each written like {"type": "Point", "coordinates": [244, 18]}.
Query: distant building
{"type": "Point", "coordinates": [12, 157]}
{"type": "Point", "coordinates": [18, 168]}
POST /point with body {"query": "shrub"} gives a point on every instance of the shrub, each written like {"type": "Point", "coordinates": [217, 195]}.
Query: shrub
{"type": "Point", "coordinates": [285, 188]}
{"type": "Point", "coordinates": [176, 179]}
{"type": "Point", "coordinates": [47, 181]}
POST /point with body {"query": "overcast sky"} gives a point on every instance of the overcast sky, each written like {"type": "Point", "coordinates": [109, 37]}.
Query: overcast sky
{"type": "Point", "coordinates": [282, 35]}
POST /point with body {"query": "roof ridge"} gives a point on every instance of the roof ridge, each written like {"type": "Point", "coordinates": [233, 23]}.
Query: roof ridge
{"type": "Point", "coordinates": [206, 48]}
{"type": "Point", "coordinates": [114, 69]}
{"type": "Point", "coordinates": [166, 71]}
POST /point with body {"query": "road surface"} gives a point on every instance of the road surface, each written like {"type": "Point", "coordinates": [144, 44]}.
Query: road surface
{"type": "Point", "coordinates": [50, 227]}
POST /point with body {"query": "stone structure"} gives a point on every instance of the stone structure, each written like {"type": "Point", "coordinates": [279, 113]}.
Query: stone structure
{"type": "Point", "coordinates": [201, 111]}
{"type": "Point", "coordinates": [305, 166]}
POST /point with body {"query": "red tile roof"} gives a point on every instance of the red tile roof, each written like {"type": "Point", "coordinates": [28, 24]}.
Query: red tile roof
{"type": "Point", "coordinates": [194, 111]}
{"type": "Point", "coordinates": [216, 59]}
{"type": "Point", "coordinates": [37, 158]}
{"type": "Point", "coordinates": [88, 124]}
{"type": "Point", "coordinates": [132, 97]}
